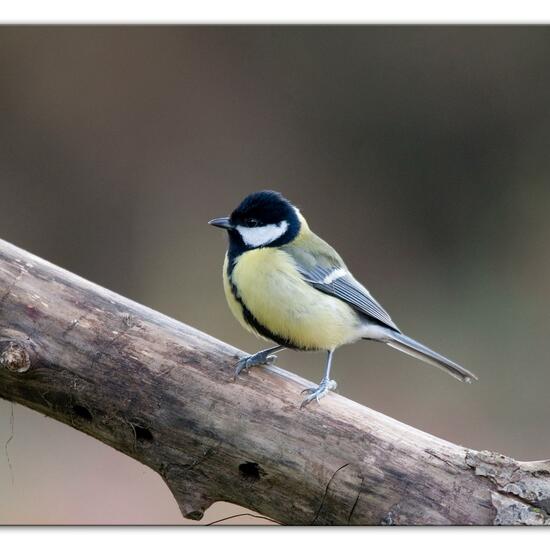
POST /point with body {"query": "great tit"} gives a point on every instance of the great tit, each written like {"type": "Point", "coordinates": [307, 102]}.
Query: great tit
{"type": "Point", "coordinates": [285, 284]}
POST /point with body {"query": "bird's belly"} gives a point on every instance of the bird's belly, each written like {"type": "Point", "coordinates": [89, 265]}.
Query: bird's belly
{"type": "Point", "coordinates": [289, 308]}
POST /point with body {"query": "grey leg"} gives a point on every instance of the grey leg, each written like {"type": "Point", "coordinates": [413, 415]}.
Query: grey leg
{"type": "Point", "coordinates": [264, 357]}
{"type": "Point", "coordinates": [324, 387]}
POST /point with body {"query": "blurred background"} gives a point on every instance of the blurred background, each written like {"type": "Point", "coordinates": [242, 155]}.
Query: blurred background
{"type": "Point", "coordinates": [420, 153]}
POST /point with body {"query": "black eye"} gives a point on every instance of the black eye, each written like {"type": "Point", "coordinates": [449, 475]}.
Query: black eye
{"type": "Point", "coordinates": [251, 222]}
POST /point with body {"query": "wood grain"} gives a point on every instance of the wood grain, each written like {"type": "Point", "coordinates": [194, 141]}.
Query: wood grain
{"type": "Point", "coordinates": [163, 393]}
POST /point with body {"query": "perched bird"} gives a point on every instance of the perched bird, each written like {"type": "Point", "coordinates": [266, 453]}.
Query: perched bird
{"type": "Point", "coordinates": [285, 284]}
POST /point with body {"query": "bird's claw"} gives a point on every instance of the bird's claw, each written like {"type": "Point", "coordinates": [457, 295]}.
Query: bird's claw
{"type": "Point", "coordinates": [317, 393]}
{"type": "Point", "coordinates": [256, 360]}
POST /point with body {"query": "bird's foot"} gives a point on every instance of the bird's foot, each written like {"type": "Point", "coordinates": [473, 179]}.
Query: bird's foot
{"type": "Point", "coordinates": [262, 358]}
{"type": "Point", "coordinates": [317, 393]}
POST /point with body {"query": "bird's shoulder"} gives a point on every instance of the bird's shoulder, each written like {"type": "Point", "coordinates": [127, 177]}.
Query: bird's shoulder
{"type": "Point", "coordinates": [310, 251]}
{"type": "Point", "coordinates": [323, 268]}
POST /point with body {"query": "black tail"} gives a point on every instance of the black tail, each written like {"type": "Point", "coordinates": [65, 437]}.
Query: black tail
{"type": "Point", "coordinates": [416, 349]}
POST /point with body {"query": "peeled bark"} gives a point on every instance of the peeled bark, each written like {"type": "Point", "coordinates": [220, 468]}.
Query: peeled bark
{"type": "Point", "coordinates": [163, 393]}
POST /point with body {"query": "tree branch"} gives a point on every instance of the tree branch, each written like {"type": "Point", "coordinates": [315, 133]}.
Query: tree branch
{"type": "Point", "coordinates": [162, 392]}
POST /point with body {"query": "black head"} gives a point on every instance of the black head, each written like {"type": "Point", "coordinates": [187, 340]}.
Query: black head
{"type": "Point", "coordinates": [262, 219]}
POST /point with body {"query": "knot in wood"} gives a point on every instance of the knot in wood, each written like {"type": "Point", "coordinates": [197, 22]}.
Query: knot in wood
{"type": "Point", "coordinates": [14, 357]}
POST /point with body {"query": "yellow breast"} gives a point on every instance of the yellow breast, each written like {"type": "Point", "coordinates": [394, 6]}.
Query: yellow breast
{"type": "Point", "coordinates": [272, 290]}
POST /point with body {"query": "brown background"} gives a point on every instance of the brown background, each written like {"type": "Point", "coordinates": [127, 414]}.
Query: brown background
{"type": "Point", "coordinates": [420, 153]}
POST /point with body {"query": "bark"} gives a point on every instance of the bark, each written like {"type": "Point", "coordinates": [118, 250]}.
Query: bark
{"type": "Point", "coordinates": [162, 392]}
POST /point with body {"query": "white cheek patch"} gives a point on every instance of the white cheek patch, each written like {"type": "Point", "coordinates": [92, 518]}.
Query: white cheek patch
{"type": "Point", "coordinates": [260, 236]}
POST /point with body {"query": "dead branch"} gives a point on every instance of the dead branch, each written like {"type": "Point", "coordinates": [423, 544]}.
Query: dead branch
{"type": "Point", "coordinates": [162, 392]}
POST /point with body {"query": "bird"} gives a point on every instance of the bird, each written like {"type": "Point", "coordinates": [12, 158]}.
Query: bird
{"type": "Point", "coordinates": [286, 285]}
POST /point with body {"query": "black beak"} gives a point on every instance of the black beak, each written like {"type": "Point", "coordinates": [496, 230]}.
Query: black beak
{"type": "Point", "coordinates": [224, 223]}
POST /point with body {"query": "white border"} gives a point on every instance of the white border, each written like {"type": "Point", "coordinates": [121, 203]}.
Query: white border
{"type": "Point", "coordinates": [240, 538]}
{"type": "Point", "coordinates": [280, 11]}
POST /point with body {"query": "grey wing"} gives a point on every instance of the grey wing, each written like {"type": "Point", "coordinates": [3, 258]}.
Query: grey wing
{"type": "Point", "coordinates": [340, 283]}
